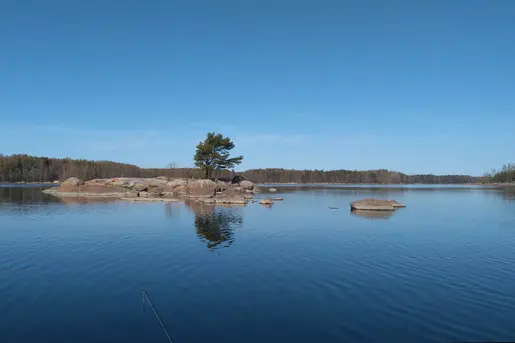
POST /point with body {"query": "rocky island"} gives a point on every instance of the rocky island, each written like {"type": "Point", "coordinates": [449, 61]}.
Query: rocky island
{"type": "Point", "coordinates": [375, 205]}
{"type": "Point", "coordinates": [236, 191]}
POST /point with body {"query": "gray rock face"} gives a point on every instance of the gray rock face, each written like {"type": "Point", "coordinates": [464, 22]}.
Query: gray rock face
{"type": "Point", "coordinates": [140, 187]}
{"type": "Point", "coordinates": [247, 185]}
{"type": "Point", "coordinates": [201, 188]}
{"type": "Point", "coordinates": [73, 181]}
{"type": "Point", "coordinates": [117, 183]}
{"type": "Point", "coordinates": [176, 183]}
{"type": "Point", "coordinates": [375, 205]}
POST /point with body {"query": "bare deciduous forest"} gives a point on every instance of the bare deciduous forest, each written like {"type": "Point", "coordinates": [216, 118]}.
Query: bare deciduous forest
{"type": "Point", "coordinates": [24, 168]}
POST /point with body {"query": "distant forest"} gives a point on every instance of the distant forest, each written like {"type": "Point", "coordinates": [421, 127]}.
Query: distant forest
{"type": "Point", "coordinates": [24, 168]}
{"type": "Point", "coordinates": [506, 174]}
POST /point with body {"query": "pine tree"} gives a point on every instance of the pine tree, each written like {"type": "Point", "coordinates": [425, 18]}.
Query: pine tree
{"type": "Point", "coordinates": [213, 154]}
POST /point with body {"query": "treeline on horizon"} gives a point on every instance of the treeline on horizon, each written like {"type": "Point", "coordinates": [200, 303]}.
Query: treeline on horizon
{"type": "Point", "coordinates": [24, 168]}
{"type": "Point", "coordinates": [505, 175]}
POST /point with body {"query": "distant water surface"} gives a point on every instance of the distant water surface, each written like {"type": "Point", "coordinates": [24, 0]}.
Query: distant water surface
{"type": "Point", "coordinates": [304, 270]}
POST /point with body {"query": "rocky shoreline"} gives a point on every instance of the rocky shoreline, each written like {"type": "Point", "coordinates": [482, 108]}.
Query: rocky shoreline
{"type": "Point", "coordinates": [160, 189]}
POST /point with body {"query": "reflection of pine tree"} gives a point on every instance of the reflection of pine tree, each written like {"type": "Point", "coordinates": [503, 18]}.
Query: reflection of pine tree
{"type": "Point", "coordinates": [216, 225]}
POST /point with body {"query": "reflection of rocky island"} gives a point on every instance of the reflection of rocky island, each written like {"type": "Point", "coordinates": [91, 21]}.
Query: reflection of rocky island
{"type": "Point", "coordinates": [373, 214]}
{"type": "Point", "coordinates": [24, 194]}
{"type": "Point", "coordinates": [215, 225]}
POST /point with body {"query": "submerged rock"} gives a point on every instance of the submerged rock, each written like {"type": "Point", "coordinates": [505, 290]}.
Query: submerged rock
{"type": "Point", "coordinates": [375, 205]}
{"type": "Point", "coordinates": [266, 202]}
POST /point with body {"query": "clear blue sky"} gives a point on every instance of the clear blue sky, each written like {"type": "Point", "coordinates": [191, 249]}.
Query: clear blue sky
{"type": "Point", "coordinates": [415, 86]}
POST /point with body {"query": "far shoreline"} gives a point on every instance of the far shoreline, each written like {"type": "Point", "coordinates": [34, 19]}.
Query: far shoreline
{"type": "Point", "coordinates": [496, 185]}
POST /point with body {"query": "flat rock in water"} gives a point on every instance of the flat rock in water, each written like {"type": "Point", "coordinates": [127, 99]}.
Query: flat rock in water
{"type": "Point", "coordinates": [375, 205]}
{"type": "Point", "coordinates": [224, 200]}
{"type": "Point", "coordinates": [396, 204]}
{"type": "Point", "coordinates": [232, 201]}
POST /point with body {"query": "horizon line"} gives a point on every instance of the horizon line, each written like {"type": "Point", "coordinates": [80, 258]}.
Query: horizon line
{"type": "Point", "coordinates": [241, 171]}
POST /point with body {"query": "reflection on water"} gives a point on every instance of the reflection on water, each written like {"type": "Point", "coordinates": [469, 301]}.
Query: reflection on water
{"type": "Point", "coordinates": [24, 194]}
{"type": "Point", "coordinates": [441, 270]}
{"type": "Point", "coordinates": [30, 194]}
{"type": "Point", "coordinates": [509, 194]}
{"type": "Point", "coordinates": [172, 210]}
{"type": "Point", "coordinates": [373, 214]}
{"type": "Point", "coordinates": [215, 224]}
{"type": "Point", "coordinates": [83, 200]}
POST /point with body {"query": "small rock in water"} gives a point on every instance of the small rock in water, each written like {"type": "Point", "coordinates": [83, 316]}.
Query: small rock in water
{"type": "Point", "coordinates": [375, 205]}
{"type": "Point", "coordinates": [277, 199]}
{"type": "Point", "coordinates": [266, 202]}
{"type": "Point", "coordinates": [272, 190]}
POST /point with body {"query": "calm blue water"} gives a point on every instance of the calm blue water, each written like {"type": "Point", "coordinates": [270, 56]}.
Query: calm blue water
{"type": "Point", "coordinates": [442, 269]}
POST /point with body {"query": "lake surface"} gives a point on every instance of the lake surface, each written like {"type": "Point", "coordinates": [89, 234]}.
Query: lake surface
{"type": "Point", "coordinates": [442, 269]}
